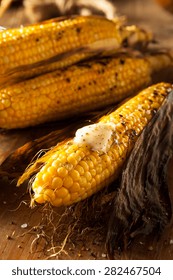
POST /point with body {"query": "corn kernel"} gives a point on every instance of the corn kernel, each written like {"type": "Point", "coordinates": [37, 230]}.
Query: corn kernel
{"type": "Point", "coordinates": [61, 193]}
{"type": "Point", "coordinates": [57, 202]}
{"type": "Point", "coordinates": [57, 183]}
{"type": "Point", "coordinates": [67, 199]}
{"type": "Point", "coordinates": [75, 187]}
{"type": "Point", "coordinates": [62, 172]}
{"type": "Point", "coordinates": [74, 175]}
{"type": "Point", "coordinates": [80, 169]}
{"type": "Point", "coordinates": [49, 195]}
{"type": "Point", "coordinates": [67, 182]}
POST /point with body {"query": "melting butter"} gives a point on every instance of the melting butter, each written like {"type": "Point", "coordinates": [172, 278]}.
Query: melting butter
{"type": "Point", "coordinates": [97, 136]}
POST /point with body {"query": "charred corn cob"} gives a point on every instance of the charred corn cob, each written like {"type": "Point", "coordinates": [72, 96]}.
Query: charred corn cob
{"type": "Point", "coordinates": [77, 89]}
{"type": "Point", "coordinates": [65, 40]}
{"type": "Point", "coordinates": [77, 168]}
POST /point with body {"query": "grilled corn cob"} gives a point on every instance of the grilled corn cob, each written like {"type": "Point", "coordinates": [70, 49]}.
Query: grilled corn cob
{"type": "Point", "coordinates": [24, 50]}
{"type": "Point", "coordinates": [79, 88]}
{"type": "Point", "coordinates": [77, 168]}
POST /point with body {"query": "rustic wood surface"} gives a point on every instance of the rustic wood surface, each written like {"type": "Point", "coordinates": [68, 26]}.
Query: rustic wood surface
{"type": "Point", "coordinates": [18, 221]}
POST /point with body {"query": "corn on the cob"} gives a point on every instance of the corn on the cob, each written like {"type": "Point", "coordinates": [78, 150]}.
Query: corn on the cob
{"type": "Point", "coordinates": [65, 40]}
{"type": "Point", "coordinates": [75, 169]}
{"type": "Point", "coordinates": [77, 89]}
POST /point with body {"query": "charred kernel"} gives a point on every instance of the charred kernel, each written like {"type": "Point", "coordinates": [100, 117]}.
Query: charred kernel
{"type": "Point", "coordinates": [68, 80]}
{"type": "Point", "coordinates": [122, 61]}
{"type": "Point", "coordinates": [78, 29]}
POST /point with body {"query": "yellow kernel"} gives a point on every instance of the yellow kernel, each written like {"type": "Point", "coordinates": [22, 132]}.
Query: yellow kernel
{"type": "Point", "coordinates": [93, 183]}
{"type": "Point", "coordinates": [106, 159]}
{"type": "Point", "coordinates": [93, 159]}
{"type": "Point", "coordinates": [39, 198]}
{"type": "Point", "coordinates": [71, 159]}
{"type": "Point", "coordinates": [93, 172]}
{"type": "Point", "coordinates": [43, 169]}
{"type": "Point", "coordinates": [38, 180]}
{"type": "Point", "coordinates": [84, 165]}
{"type": "Point", "coordinates": [74, 196]}
{"type": "Point", "coordinates": [67, 199]}
{"type": "Point", "coordinates": [88, 176]}
{"type": "Point", "coordinates": [63, 158]}
{"type": "Point", "coordinates": [106, 173]}
{"type": "Point", "coordinates": [90, 192]}
{"type": "Point", "coordinates": [72, 148]}
{"type": "Point", "coordinates": [75, 188]}
{"type": "Point", "coordinates": [55, 163]}
{"type": "Point", "coordinates": [85, 195]}
{"type": "Point", "coordinates": [97, 177]}
{"type": "Point", "coordinates": [61, 193]}
{"type": "Point", "coordinates": [80, 169]}
{"type": "Point", "coordinates": [82, 191]}
{"type": "Point", "coordinates": [49, 195]}
{"type": "Point", "coordinates": [98, 169]}
{"type": "Point", "coordinates": [46, 177]}
{"type": "Point", "coordinates": [52, 170]}
{"type": "Point", "coordinates": [67, 182]}
{"type": "Point", "coordinates": [57, 202]}
{"type": "Point", "coordinates": [83, 181]}
{"type": "Point", "coordinates": [62, 172]}
{"type": "Point", "coordinates": [90, 164]}
{"type": "Point", "coordinates": [74, 175]}
{"type": "Point", "coordinates": [57, 183]}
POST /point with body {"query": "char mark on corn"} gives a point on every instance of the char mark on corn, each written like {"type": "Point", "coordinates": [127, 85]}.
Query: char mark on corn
{"type": "Point", "coordinates": [76, 89]}
{"type": "Point", "coordinates": [40, 48]}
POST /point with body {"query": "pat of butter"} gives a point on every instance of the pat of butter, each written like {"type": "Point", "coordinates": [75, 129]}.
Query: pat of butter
{"type": "Point", "coordinates": [97, 136]}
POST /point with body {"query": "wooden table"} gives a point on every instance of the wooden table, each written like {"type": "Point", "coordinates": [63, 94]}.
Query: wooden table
{"type": "Point", "coordinates": [19, 233]}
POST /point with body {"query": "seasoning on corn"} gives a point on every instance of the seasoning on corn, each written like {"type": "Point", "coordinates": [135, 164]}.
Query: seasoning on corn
{"type": "Point", "coordinates": [75, 169]}
{"type": "Point", "coordinates": [40, 48]}
{"type": "Point", "coordinates": [78, 88]}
